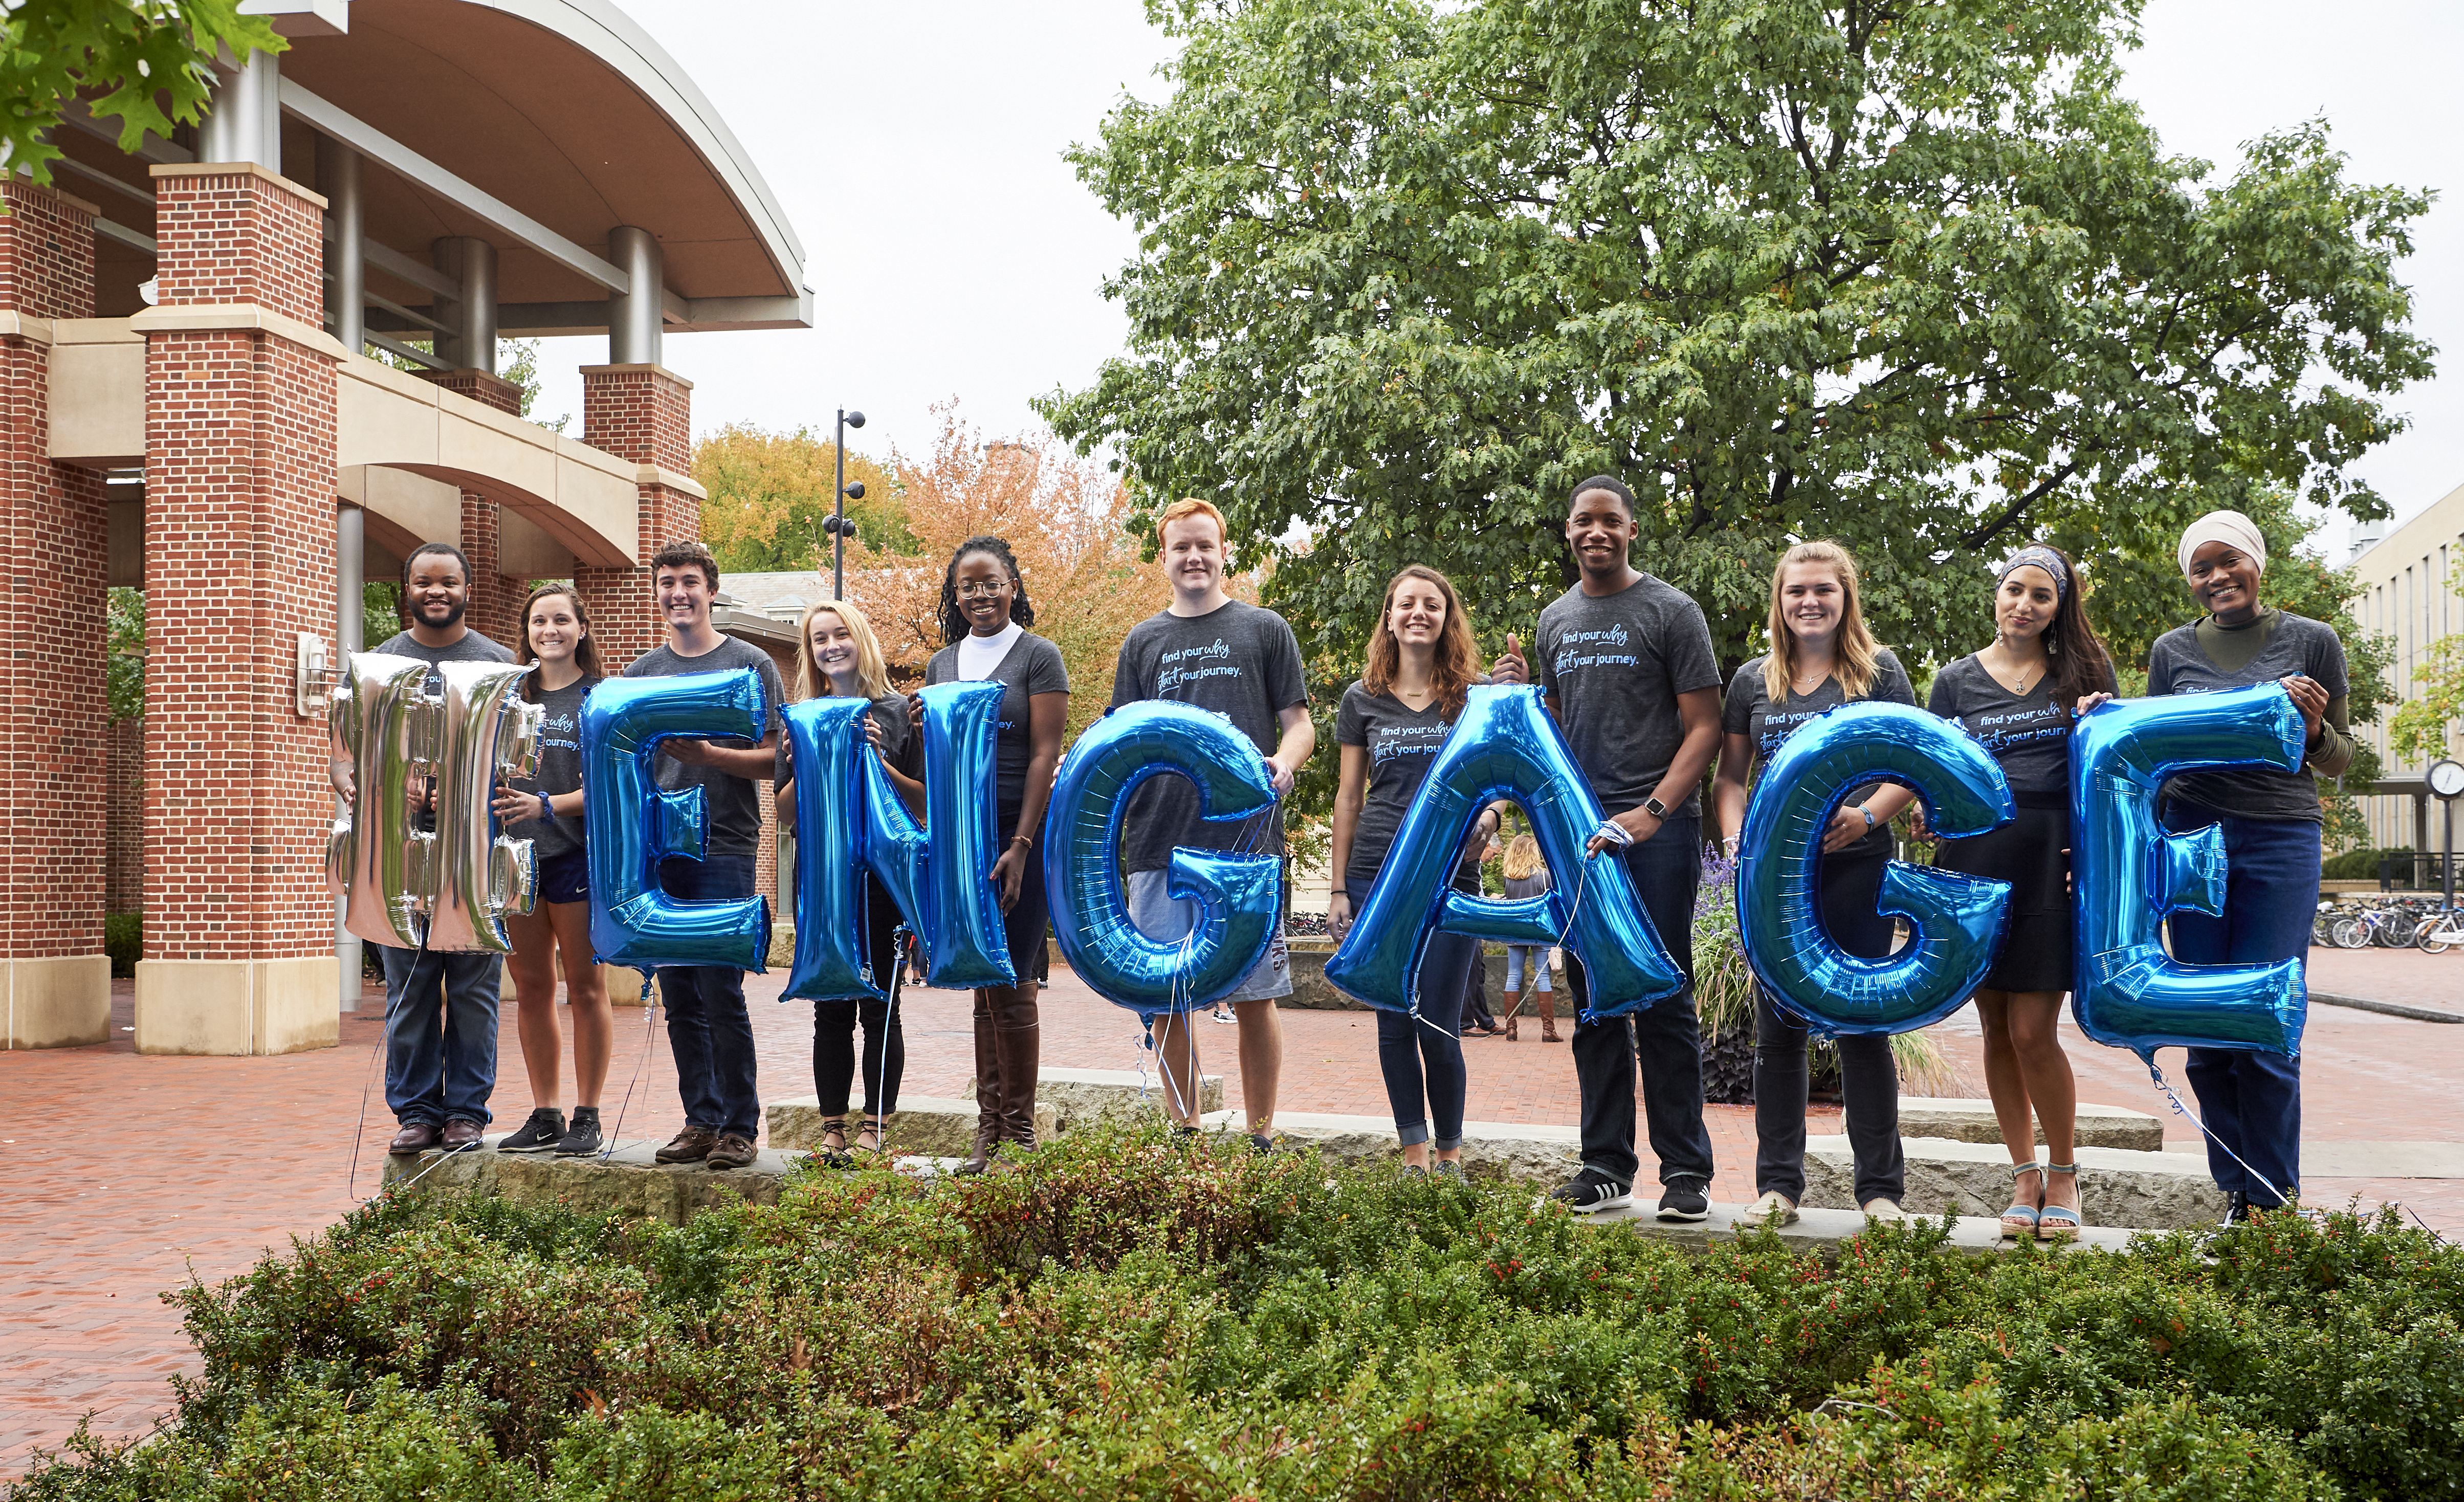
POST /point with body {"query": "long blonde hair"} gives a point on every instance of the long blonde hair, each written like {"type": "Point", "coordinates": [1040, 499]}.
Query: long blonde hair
{"type": "Point", "coordinates": [812, 682]}
{"type": "Point", "coordinates": [1855, 657]}
{"type": "Point", "coordinates": [1522, 858]}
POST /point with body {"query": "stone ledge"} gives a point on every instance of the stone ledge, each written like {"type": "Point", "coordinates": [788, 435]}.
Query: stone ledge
{"type": "Point", "coordinates": [925, 1125]}
{"type": "Point", "coordinates": [2158, 1191]}
{"type": "Point", "coordinates": [1082, 1097]}
{"type": "Point", "coordinates": [1973, 1122]}
{"type": "Point", "coordinates": [1525, 1153]}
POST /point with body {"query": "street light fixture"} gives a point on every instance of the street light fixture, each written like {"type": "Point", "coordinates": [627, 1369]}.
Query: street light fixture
{"type": "Point", "coordinates": [836, 524]}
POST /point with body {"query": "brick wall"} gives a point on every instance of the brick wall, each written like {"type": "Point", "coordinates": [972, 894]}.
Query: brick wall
{"type": "Point", "coordinates": [642, 414]}
{"type": "Point", "coordinates": [495, 601]}
{"type": "Point", "coordinates": [239, 559]}
{"type": "Point", "coordinates": [123, 819]}
{"type": "Point", "coordinates": [54, 705]}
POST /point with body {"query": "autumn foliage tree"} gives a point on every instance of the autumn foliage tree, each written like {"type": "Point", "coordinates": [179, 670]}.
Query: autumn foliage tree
{"type": "Point", "coordinates": [769, 492]}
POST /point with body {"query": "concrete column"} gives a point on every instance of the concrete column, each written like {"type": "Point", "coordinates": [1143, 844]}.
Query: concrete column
{"type": "Point", "coordinates": [350, 635]}
{"type": "Point", "coordinates": [244, 123]}
{"type": "Point", "coordinates": [54, 710]}
{"type": "Point", "coordinates": [635, 317]}
{"type": "Point", "coordinates": [240, 562]}
{"type": "Point", "coordinates": [471, 346]}
{"type": "Point", "coordinates": [346, 293]}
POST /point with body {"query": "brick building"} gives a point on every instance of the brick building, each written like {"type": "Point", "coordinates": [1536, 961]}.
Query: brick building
{"type": "Point", "coordinates": [190, 409]}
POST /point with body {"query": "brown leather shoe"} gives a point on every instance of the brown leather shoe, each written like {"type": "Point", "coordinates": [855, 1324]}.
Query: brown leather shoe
{"type": "Point", "coordinates": [460, 1135]}
{"type": "Point", "coordinates": [415, 1139]}
{"type": "Point", "coordinates": [690, 1145]}
{"type": "Point", "coordinates": [730, 1151]}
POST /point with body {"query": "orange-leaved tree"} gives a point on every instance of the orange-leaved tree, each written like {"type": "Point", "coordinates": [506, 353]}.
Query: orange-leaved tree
{"type": "Point", "coordinates": [770, 491]}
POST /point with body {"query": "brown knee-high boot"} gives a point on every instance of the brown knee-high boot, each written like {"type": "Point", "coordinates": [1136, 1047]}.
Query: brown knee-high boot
{"type": "Point", "coordinates": [988, 1089]}
{"type": "Point", "coordinates": [1548, 1017]}
{"type": "Point", "coordinates": [1513, 1002]}
{"type": "Point", "coordinates": [1018, 1037]}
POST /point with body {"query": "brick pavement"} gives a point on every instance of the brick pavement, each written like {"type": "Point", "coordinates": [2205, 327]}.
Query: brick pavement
{"type": "Point", "coordinates": [120, 1175]}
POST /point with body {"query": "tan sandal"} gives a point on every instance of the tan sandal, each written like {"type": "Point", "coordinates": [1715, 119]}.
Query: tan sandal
{"type": "Point", "coordinates": [2048, 1229]}
{"type": "Point", "coordinates": [2020, 1220]}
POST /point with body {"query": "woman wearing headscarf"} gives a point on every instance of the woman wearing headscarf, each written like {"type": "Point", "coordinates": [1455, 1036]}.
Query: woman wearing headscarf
{"type": "Point", "coordinates": [2252, 1101]}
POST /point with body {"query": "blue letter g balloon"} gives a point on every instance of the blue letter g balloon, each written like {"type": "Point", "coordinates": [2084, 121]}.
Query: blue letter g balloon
{"type": "Point", "coordinates": [2130, 873]}
{"type": "Point", "coordinates": [1958, 918]}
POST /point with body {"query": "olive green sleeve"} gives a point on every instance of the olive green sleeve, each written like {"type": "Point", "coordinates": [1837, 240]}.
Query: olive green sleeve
{"type": "Point", "coordinates": [2334, 751]}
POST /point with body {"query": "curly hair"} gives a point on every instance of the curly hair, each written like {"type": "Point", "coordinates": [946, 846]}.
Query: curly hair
{"type": "Point", "coordinates": [954, 621]}
{"type": "Point", "coordinates": [1454, 665]}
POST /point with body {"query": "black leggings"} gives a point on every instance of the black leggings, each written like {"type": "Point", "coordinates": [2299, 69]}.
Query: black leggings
{"type": "Point", "coordinates": [885, 1044]}
{"type": "Point", "coordinates": [1869, 1079]}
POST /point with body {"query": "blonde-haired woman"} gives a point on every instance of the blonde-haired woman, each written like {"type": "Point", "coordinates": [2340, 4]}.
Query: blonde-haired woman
{"type": "Point", "coordinates": [1822, 656]}
{"type": "Point", "coordinates": [840, 657]}
{"type": "Point", "coordinates": [1527, 876]}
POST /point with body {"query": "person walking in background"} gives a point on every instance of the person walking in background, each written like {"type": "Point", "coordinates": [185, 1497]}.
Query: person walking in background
{"type": "Point", "coordinates": [1822, 657]}
{"type": "Point", "coordinates": [1478, 1020]}
{"type": "Point", "coordinates": [1421, 668]}
{"type": "Point", "coordinates": [440, 1008]}
{"type": "Point", "coordinates": [1527, 876]}
{"type": "Point", "coordinates": [546, 809]}
{"type": "Point", "coordinates": [709, 1033]}
{"type": "Point", "coordinates": [984, 616]}
{"type": "Point", "coordinates": [841, 657]}
{"type": "Point", "coordinates": [2019, 696]}
{"type": "Point", "coordinates": [1211, 650]}
{"type": "Point", "coordinates": [1626, 663]}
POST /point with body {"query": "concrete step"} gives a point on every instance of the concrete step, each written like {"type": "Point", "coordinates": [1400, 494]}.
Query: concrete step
{"type": "Point", "coordinates": [1542, 1155]}
{"type": "Point", "coordinates": [1973, 1122]}
{"type": "Point", "coordinates": [925, 1125]}
{"type": "Point", "coordinates": [1084, 1097]}
{"type": "Point", "coordinates": [2153, 1191]}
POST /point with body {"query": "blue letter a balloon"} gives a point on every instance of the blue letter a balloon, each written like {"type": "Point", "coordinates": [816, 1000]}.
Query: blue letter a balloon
{"type": "Point", "coordinates": [2130, 873]}
{"type": "Point", "coordinates": [1958, 918]}
{"type": "Point", "coordinates": [826, 744]}
{"type": "Point", "coordinates": [634, 826]}
{"type": "Point", "coordinates": [1503, 746]}
{"type": "Point", "coordinates": [1238, 896]}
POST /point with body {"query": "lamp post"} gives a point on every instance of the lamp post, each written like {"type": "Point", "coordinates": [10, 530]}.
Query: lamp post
{"type": "Point", "coordinates": [836, 524]}
{"type": "Point", "coordinates": [2446, 778]}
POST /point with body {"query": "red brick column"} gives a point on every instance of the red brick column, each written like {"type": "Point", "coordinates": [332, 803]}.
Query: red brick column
{"type": "Point", "coordinates": [239, 562]}
{"type": "Point", "coordinates": [494, 599]}
{"type": "Point", "coordinates": [123, 857]}
{"type": "Point", "coordinates": [55, 979]}
{"type": "Point", "coordinates": [642, 414]}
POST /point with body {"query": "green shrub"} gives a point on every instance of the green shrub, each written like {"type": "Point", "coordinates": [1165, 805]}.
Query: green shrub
{"type": "Point", "coordinates": [2362, 865]}
{"type": "Point", "coordinates": [1119, 1317]}
{"type": "Point", "coordinates": [124, 940]}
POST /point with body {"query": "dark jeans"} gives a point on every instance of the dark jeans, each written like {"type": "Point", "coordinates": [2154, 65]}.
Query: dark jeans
{"type": "Point", "coordinates": [834, 1024]}
{"type": "Point", "coordinates": [1475, 994]}
{"type": "Point", "coordinates": [1430, 1045]}
{"type": "Point", "coordinates": [2252, 1101]}
{"type": "Point", "coordinates": [707, 1028]}
{"type": "Point", "coordinates": [1666, 1036]}
{"type": "Point", "coordinates": [1869, 1080]}
{"type": "Point", "coordinates": [440, 1034]}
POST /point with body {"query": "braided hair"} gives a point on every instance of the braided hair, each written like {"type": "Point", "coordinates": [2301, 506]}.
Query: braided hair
{"type": "Point", "coordinates": [953, 622]}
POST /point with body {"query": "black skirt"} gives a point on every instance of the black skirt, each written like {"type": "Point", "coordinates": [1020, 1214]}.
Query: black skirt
{"type": "Point", "coordinates": [2033, 853]}
{"type": "Point", "coordinates": [1026, 924]}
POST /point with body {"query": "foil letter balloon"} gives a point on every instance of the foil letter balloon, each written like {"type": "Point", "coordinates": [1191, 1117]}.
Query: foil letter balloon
{"type": "Point", "coordinates": [1958, 919]}
{"type": "Point", "coordinates": [943, 873]}
{"type": "Point", "coordinates": [634, 824]}
{"type": "Point", "coordinates": [1239, 897]}
{"type": "Point", "coordinates": [403, 885]}
{"type": "Point", "coordinates": [2130, 873]}
{"type": "Point", "coordinates": [826, 744]}
{"type": "Point", "coordinates": [1504, 745]}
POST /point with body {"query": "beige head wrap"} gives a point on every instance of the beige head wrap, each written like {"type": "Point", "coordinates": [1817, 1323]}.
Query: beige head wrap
{"type": "Point", "coordinates": [2224, 526]}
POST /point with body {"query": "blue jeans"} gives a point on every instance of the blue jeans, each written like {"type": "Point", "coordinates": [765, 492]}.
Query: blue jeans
{"type": "Point", "coordinates": [1514, 962]}
{"type": "Point", "coordinates": [440, 1035]}
{"type": "Point", "coordinates": [707, 1028]}
{"type": "Point", "coordinates": [1665, 1036]}
{"type": "Point", "coordinates": [1429, 1047]}
{"type": "Point", "coordinates": [2252, 1101]}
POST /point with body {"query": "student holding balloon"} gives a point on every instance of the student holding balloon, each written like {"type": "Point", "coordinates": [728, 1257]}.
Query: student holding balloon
{"type": "Point", "coordinates": [2017, 697]}
{"type": "Point", "coordinates": [841, 657]}
{"type": "Point", "coordinates": [984, 616]}
{"type": "Point", "coordinates": [1822, 655]}
{"type": "Point", "coordinates": [1421, 665]}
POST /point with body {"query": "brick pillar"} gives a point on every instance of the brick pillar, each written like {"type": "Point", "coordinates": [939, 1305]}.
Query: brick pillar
{"type": "Point", "coordinates": [239, 562]}
{"type": "Point", "coordinates": [124, 859]}
{"type": "Point", "coordinates": [642, 414]}
{"type": "Point", "coordinates": [54, 710]}
{"type": "Point", "coordinates": [494, 599]}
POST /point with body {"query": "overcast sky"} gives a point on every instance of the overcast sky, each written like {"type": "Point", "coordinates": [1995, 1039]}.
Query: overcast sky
{"type": "Point", "coordinates": [953, 254]}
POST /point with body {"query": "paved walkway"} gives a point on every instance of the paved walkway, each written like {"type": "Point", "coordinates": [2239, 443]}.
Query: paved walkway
{"type": "Point", "coordinates": [122, 1175]}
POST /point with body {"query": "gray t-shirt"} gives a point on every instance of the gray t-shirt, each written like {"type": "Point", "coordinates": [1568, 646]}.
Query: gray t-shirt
{"type": "Point", "coordinates": [560, 770]}
{"type": "Point", "coordinates": [2029, 733]}
{"type": "Point", "coordinates": [1614, 666]}
{"type": "Point", "coordinates": [900, 747]}
{"type": "Point", "coordinates": [731, 805]}
{"type": "Point", "coordinates": [1239, 661]}
{"type": "Point", "coordinates": [1750, 711]}
{"type": "Point", "coordinates": [2296, 645]}
{"type": "Point", "coordinates": [1031, 666]}
{"type": "Point", "coordinates": [471, 648]}
{"type": "Point", "coordinates": [1402, 742]}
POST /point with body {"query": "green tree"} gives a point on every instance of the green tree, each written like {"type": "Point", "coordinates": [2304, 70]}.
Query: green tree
{"type": "Point", "coordinates": [145, 63]}
{"type": "Point", "coordinates": [2421, 729]}
{"type": "Point", "coordinates": [769, 492]}
{"type": "Point", "coordinates": [125, 669]}
{"type": "Point", "coordinates": [1913, 275]}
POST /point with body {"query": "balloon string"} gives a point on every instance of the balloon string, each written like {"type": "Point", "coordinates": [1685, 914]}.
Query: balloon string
{"type": "Point", "coordinates": [351, 1189]}
{"type": "Point", "coordinates": [649, 1041]}
{"type": "Point", "coordinates": [900, 939]}
{"type": "Point", "coordinates": [2180, 1109]}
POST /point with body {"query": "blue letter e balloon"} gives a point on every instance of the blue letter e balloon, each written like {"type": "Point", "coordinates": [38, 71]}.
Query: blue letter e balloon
{"type": "Point", "coordinates": [634, 824]}
{"type": "Point", "coordinates": [2131, 874]}
{"type": "Point", "coordinates": [1504, 745]}
{"type": "Point", "coordinates": [1958, 918]}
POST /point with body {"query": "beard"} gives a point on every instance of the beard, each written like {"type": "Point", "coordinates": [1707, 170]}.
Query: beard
{"type": "Point", "coordinates": [454, 612]}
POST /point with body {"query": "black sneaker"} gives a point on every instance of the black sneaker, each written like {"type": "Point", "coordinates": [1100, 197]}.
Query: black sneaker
{"type": "Point", "coordinates": [542, 1132]}
{"type": "Point", "coordinates": [1685, 1200]}
{"type": "Point", "coordinates": [582, 1139]}
{"type": "Point", "coordinates": [1591, 1190]}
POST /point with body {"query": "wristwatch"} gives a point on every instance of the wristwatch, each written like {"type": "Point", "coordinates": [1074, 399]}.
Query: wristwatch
{"type": "Point", "coordinates": [1652, 806]}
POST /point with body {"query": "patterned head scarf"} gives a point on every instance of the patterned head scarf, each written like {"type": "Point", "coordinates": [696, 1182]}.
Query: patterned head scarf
{"type": "Point", "coordinates": [2034, 555]}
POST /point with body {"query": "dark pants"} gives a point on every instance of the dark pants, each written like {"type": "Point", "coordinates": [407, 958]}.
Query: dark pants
{"type": "Point", "coordinates": [1475, 993]}
{"type": "Point", "coordinates": [707, 1028]}
{"type": "Point", "coordinates": [1869, 1080]}
{"type": "Point", "coordinates": [2252, 1101]}
{"type": "Point", "coordinates": [440, 1034]}
{"type": "Point", "coordinates": [885, 1041]}
{"type": "Point", "coordinates": [1666, 1036]}
{"type": "Point", "coordinates": [1429, 1047]}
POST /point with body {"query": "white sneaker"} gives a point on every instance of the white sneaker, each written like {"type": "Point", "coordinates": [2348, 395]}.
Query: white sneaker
{"type": "Point", "coordinates": [1884, 1210]}
{"type": "Point", "coordinates": [1772, 1210]}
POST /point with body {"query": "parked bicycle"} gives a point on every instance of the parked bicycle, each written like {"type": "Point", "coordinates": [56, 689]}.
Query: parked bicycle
{"type": "Point", "coordinates": [2440, 932]}
{"type": "Point", "coordinates": [2364, 928]}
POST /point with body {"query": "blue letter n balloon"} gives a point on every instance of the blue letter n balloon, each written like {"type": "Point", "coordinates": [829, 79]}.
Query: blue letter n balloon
{"type": "Point", "coordinates": [2130, 873]}
{"type": "Point", "coordinates": [1958, 918]}
{"type": "Point", "coordinates": [1504, 745]}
